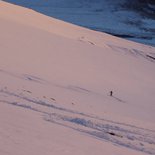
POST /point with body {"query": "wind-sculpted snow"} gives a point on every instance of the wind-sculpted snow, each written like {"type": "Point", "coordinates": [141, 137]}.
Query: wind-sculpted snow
{"type": "Point", "coordinates": [132, 52]}
{"type": "Point", "coordinates": [24, 76]}
{"type": "Point", "coordinates": [124, 135]}
{"type": "Point", "coordinates": [33, 79]}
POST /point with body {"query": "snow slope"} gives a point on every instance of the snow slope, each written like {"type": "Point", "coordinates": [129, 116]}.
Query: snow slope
{"type": "Point", "coordinates": [55, 79]}
{"type": "Point", "coordinates": [132, 20]}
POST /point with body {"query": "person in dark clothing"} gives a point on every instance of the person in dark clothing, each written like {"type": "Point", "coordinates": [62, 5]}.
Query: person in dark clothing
{"type": "Point", "coordinates": [111, 93]}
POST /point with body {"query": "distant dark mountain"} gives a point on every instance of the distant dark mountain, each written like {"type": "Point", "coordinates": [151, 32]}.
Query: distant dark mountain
{"type": "Point", "coordinates": [144, 7]}
{"type": "Point", "coordinates": [133, 20]}
{"type": "Point", "coordinates": [147, 1]}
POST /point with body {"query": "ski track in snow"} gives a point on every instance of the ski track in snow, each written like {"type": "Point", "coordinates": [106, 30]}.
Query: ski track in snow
{"type": "Point", "coordinates": [122, 135]}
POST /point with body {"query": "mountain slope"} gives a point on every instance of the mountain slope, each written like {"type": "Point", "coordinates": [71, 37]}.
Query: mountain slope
{"type": "Point", "coordinates": [55, 80]}
{"type": "Point", "coordinates": [131, 20]}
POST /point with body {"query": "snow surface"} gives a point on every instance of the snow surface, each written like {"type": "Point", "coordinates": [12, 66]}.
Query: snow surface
{"type": "Point", "coordinates": [110, 16]}
{"type": "Point", "coordinates": [55, 80]}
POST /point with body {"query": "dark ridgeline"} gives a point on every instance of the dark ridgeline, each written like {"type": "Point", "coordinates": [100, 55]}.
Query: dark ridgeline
{"type": "Point", "coordinates": [86, 10]}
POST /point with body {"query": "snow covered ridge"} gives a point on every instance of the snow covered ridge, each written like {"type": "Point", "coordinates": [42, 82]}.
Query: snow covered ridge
{"type": "Point", "coordinates": [133, 20]}
{"type": "Point", "coordinates": [55, 83]}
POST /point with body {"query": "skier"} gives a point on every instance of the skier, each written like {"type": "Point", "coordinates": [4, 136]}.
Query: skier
{"type": "Point", "coordinates": [111, 93]}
